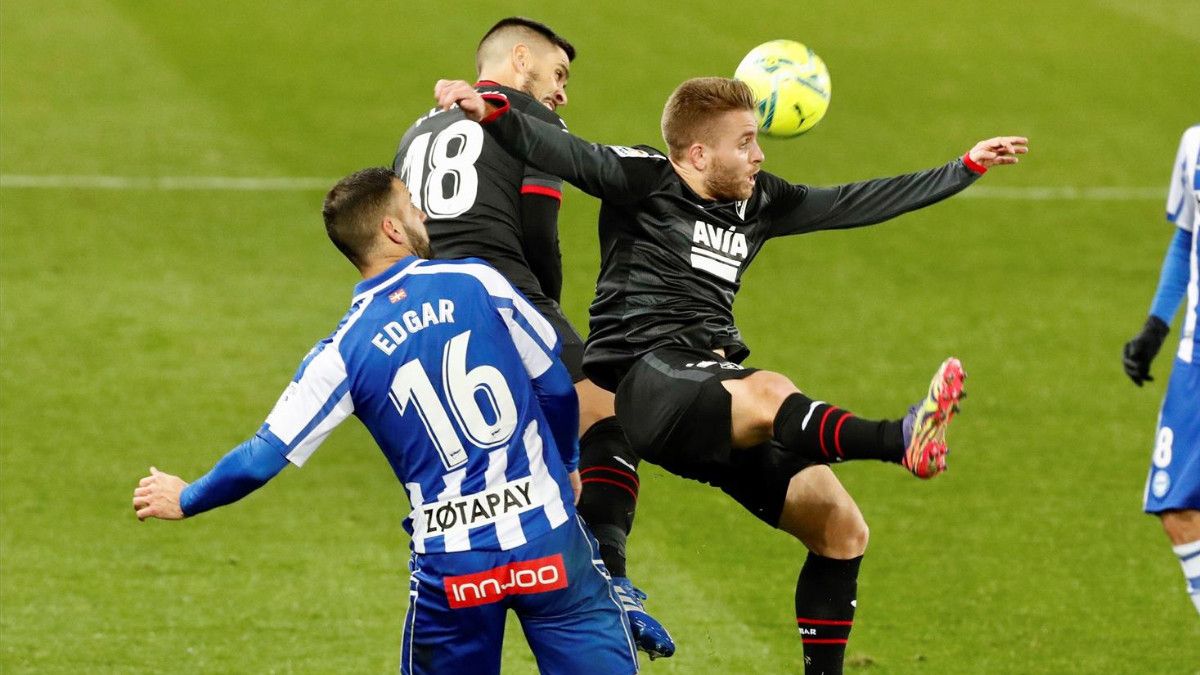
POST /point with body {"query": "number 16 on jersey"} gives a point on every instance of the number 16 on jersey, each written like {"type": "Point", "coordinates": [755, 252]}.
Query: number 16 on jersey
{"type": "Point", "coordinates": [467, 393]}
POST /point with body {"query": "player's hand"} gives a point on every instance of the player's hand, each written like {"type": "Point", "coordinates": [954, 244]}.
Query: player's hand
{"type": "Point", "coordinates": [451, 92]}
{"type": "Point", "coordinates": [157, 496]}
{"type": "Point", "coordinates": [999, 150]}
{"type": "Point", "coordinates": [576, 485]}
{"type": "Point", "coordinates": [1142, 349]}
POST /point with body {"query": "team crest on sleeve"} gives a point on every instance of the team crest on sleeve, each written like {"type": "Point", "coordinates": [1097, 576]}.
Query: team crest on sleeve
{"type": "Point", "coordinates": [281, 404]}
{"type": "Point", "coordinates": [626, 151]}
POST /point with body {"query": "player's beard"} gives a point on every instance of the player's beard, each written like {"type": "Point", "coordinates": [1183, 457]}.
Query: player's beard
{"type": "Point", "coordinates": [418, 241]}
{"type": "Point", "coordinates": [727, 183]}
{"type": "Point", "coordinates": [532, 77]}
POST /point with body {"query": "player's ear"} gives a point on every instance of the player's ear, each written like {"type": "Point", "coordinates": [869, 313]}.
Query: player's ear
{"type": "Point", "coordinates": [697, 154]}
{"type": "Point", "coordinates": [521, 56]}
{"type": "Point", "coordinates": [393, 231]}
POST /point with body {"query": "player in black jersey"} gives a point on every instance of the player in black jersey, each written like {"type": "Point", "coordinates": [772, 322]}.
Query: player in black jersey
{"type": "Point", "coordinates": [677, 231]}
{"type": "Point", "coordinates": [481, 202]}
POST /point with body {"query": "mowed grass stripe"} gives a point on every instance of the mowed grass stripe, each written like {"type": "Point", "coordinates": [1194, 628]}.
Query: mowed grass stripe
{"type": "Point", "coordinates": [306, 183]}
{"type": "Point", "coordinates": [233, 183]}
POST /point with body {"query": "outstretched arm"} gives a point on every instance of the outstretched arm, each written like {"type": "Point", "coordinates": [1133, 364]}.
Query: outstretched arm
{"type": "Point", "coordinates": [873, 201]}
{"type": "Point", "coordinates": [593, 168]}
{"type": "Point", "coordinates": [300, 422]}
{"type": "Point", "coordinates": [243, 470]}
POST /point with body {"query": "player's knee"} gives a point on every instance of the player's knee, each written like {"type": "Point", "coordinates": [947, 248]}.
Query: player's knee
{"type": "Point", "coordinates": [848, 538]}
{"type": "Point", "coordinates": [763, 393]}
{"type": "Point", "coordinates": [861, 536]}
{"type": "Point", "coordinates": [823, 516]}
{"type": "Point", "coordinates": [773, 389]}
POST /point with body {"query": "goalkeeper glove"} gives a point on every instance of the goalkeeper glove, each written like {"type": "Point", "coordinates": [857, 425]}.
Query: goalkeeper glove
{"type": "Point", "coordinates": [1142, 349]}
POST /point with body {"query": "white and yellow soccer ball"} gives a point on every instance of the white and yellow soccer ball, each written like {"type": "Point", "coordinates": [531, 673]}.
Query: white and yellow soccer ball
{"type": "Point", "coordinates": [791, 87]}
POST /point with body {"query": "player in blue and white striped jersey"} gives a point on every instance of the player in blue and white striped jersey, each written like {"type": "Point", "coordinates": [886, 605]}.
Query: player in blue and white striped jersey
{"type": "Point", "coordinates": [457, 377]}
{"type": "Point", "coordinates": [1173, 485]}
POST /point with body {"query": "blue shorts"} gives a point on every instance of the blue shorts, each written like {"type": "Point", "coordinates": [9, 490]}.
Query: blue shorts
{"type": "Point", "coordinates": [1174, 480]}
{"type": "Point", "coordinates": [556, 584]}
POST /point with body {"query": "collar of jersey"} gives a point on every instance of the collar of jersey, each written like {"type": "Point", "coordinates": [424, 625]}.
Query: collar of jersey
{"type": "Point", "coordinates": [386, 277]}
{"type": "Point", "coordinates": [505, 89]}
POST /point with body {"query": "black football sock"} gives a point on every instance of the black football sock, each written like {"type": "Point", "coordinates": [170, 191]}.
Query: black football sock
{"type": "Point", "coordinates": [826, 433]}
{"type": "Point", "coordinates": [608, 469]}
{"type": "Point", "coordinates": [825, 601]}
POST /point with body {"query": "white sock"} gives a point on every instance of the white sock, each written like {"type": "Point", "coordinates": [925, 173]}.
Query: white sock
{"type": "Point", "coordinates": [1189, 557]}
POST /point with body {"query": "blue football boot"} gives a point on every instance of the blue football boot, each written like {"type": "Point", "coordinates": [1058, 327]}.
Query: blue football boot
{"type": "Point", "coordinates": [650, 635]}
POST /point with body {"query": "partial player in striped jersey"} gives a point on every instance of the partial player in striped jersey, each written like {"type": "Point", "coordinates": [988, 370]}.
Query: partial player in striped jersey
{"type": "Point", "coordinates": [1173, 486]}
{"type": "Point", "coordinates": [458, 379]}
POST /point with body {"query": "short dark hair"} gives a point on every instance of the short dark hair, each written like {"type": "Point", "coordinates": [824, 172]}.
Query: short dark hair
{"type": "Point", "coordinates": [521, 23]}
{"type": "Point", "coordinates": [354, 207]}
{"type": "Point", "coordinates": [690, 109]}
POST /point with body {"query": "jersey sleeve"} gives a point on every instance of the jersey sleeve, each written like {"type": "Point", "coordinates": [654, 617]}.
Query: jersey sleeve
{"type": "Point", "coordinates": [539, 242]}
{"type": "Point", "coordinates": [1173, 280]}
{"type": "Point", "coordinates": [595, 169]}
{"type": "Point", "coordinates": [1184, 191]}
{"type": "Point", "coordinates": [317, 400]}
{"type": "Point", "coordinates": [535, 181]}
{"type": "Point", "coordinates": [796, 209]}
{"type": "Point", "coordinates": [241, 471]}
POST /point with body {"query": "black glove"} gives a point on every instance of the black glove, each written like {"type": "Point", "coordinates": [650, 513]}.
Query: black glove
{"type": "Point", "coordinates": [1142, 349]}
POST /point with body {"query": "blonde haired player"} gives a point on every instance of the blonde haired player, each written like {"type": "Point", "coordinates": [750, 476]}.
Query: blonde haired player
{"type": "Point", "coordinates": [677, 230]}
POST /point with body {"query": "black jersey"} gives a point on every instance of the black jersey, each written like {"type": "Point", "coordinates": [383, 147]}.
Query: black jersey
{"type": "Point", "coordinates": [671, 262]}
{"type": "Point", "coordinates": [470, 188]}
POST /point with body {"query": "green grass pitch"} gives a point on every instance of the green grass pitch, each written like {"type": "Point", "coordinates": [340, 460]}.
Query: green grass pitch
{"type": "Point", "coordinates": [146, 326]}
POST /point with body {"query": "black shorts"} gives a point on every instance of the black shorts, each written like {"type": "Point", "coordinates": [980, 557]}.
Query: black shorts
{"type": "Point", "coordinates": [572, 343]}
{"type": "Point", "coordinates": [677, 415]}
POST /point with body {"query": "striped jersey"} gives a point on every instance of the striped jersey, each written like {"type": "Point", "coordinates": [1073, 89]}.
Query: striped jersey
{"type": "Point", "coordinates": [1183, 209]}
{"type": "Point", "coordinates": [442, 360]}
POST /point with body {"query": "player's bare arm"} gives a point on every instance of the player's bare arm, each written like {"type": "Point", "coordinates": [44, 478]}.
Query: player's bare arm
{"type": "Point", "coordinates": [157, 496]}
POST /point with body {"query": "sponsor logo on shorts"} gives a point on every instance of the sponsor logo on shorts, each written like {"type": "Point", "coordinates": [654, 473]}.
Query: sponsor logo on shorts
{"type": "Point", "coordinates": [723, 365]}
{"type": "Point", "coordinates": [1161, 484]}
{"type": "Point", "coordinates": [518, 578]}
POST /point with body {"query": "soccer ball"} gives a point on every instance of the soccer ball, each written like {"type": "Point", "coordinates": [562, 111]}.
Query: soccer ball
{"type": "Point", "coordinates": [791, 87]}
